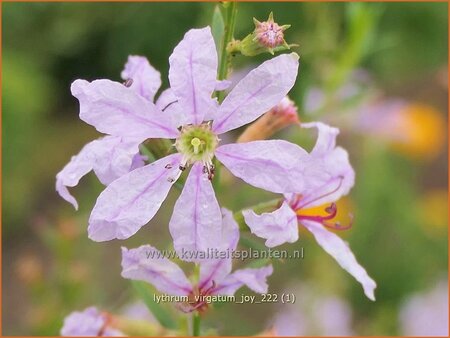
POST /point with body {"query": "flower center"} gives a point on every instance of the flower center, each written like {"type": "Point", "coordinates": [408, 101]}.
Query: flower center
{"type": "Point", "coordinates": [197, 299]}
{"type": "Point", "coordinates": [197, 143]}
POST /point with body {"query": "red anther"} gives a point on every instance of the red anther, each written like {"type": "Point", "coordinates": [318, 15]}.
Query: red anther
{"type": "Point", "coordinates": [169, 104]}
{"type": "Point", "coordinates": [331, 209]}
{"type": "Point", "coordinates": [128, 82]}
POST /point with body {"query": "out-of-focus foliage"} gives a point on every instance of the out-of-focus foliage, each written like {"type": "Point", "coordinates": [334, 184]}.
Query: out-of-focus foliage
{"type": "Point", "coordinates": [50, 268]}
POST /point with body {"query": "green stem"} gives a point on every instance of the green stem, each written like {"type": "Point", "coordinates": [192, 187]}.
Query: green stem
{"type": "Point", "coordinates": [196, 320]}
{"type": "Point", "coordinates": [230, 21]}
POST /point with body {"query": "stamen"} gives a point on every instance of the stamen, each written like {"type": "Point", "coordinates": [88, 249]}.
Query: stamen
{"type": "Point", "coordinates": [128, 82]}
{"type": "Point", "coordinates": [168, 166]}
{"type": "Point", "coordinates": [210, 170]}
{"type": "Point", "coordinates": [203, 293]}
{"type": "Point", "coordinates": [338, 225]}
{"type": "Point", "coordinates": [208, 290]}
{"type": "Point", "coordinates": [331, 210]}
{"type": "Point", "coordinates": [182, 167]}
{"type": "Point", "coordinates": [295, 201]}
{"type": "Point", "coordinates": [169, 104]}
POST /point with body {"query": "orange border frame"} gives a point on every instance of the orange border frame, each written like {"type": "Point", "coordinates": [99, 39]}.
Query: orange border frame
{"type": "Point", "coordinates": [212, 1]}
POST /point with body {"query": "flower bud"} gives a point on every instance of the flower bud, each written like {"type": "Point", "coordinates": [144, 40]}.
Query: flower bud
{"type": "Point", "coordinates": [282, 115]}
{"type": "Point", "coordinates": [268, 36]}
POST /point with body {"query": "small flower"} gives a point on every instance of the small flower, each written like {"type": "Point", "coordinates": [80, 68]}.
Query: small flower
{"type": "Point", "coordinates": [330, 177]}
{"type": "Point", "coordinates": [282, 115]}
{"type": "Point", "coordinates": [195, 121]}
{"type": "Point", "coordinates": [148, 264]}
{"type": "Point", "coordinates": [268, 36]}
{"type": "Point", "coordinates": [317, 314]}
{"type": "Point", "coordinates": [425, 314]}
{"type": "Point", "coordinates": [89, 323]}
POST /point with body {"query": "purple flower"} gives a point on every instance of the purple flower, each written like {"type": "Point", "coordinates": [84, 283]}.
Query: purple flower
{"type": "Point", "coordinates": [132, 200]}
{"type": "Point", "coordinates": [425, 313]}
{"type": "Point", "coordinates": [330, 176]}
{"type": "Point", "coordinates": [148, 264]}
{"type": "Point", "coordinates": [317, 314]}
{"type": "Point", "coordinates": [113, 156]}
{"type": "Point", "coordinates": [89, 323]}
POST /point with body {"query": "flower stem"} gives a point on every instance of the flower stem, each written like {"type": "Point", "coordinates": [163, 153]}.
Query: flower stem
{"type": "Point", "coordinates": [196, 320]}
{"type": "Point", "coordinates": [224, 61]}
{"type": "Point", "coordinates": [230, 21]}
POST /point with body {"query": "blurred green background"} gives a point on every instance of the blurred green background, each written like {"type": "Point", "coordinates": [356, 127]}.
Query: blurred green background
{"type": "Point", "coordinates": [51, 268]}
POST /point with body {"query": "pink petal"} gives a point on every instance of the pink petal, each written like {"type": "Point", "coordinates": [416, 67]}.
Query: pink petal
{"type": "Point", "coordinates": [273, 165]}
{"type": "Point", "coordinates": [326, 139]}
{"type": "Point", "coordinates": [218, 267]}
{"type": "Point", "coordinates": [257, 92]}
{"type": "Point", "coordinates": [255, 279]}
{"type": "Point", "coordinates": [146, 80]}
{"type": "Point", "coordinates": [110, 157]}
{"type": "Point", "coordinates": [192, 73]}
{"type": "Point", "coordinates": [276, 227]}
{"type": "Point", "coordinates": [341, 252]}
{"type": "Point", "coordinates": [116, 158]}
{"type": "Point", "coordinates": [138, 161]}
{"type": "Point", "coordinates": [168, 103]}
{"type": "Point", "coordinates": [148, 264]}
{"type": "Point", "coordinates": [331, 174]}
{"type": "Point", "coordinates": [230, 230]}
{"type": "Point", "coordinates": [132, 200]}
{"type": "Point", "coordinates": [337, 179]}
{"type": "Point", "coordinates": [196, 219]}
{"type": "Point", "coordinates": [115, 109]}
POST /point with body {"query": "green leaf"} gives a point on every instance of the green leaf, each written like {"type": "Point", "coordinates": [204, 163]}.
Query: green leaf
{"type": "Point", "coordinates": [218, 28]}
{"type": "Point", "coordinates": [161, 314]}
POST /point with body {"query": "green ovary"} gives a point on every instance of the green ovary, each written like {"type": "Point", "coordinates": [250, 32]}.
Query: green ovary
{"type": "Point", "coordinates": [197, 143]}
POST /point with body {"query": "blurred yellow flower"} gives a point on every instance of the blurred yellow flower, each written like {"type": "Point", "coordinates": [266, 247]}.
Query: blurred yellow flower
{"type": "Point", "coordinates": [423, 128]}
{"type": "Point", "coordinates": [434, 211]}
